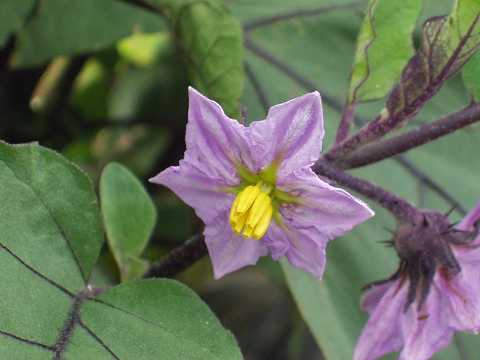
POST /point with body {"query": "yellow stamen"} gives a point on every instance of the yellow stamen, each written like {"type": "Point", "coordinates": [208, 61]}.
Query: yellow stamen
{"type": "Point", "coordinates": [251, 212]}
{"type": "Point", "coordinates": [246, 198]}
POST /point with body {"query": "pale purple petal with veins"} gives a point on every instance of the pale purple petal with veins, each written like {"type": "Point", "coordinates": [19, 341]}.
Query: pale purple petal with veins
{"type": "Point", "coordinates": [214, 141]}
{"type": "Point", "coordinates": [292, 132]}
{"type": "Point", "coordinates": [382, 333]}
{"type": "Point", "coordinates": [331, 210]}
{"type": "Point", "coordinates": [196, 190]}
{"type": "Point", "coordinates": [417, 334]}
{"type": "Point", "coordinates": [229, 251]}
{"type": "Point", "coordinates": [463, 297]}
{"type": "Point", "coordinates": [427, 331]}
{"type": "Point", "coordinates": [292, 136]}
{"type": "Point", "coordinates": [303, 247]}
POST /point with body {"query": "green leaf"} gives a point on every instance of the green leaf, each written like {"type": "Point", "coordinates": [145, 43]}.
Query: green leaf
{"type": "Point", "coordinates": [212, 42]}
{"type": "Point", "coordinates": [63, 27]}
{"type": "Point", "coordinates": [129, 216]}
{"type": "Point", "coordinates": [471, 76]}
{"type": "Point", "coordinates": [12, 16]}
{"type": "Point", "coordinates": [66, 194]}
{"type": "Point", "coordinates": [156, 319]}
{"type": "Point", "coordinates": [384, 46]}
{"type": "Point", "coordinates": [48, 308]}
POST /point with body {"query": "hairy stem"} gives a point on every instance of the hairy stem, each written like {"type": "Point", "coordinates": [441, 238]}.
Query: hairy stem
{"type": "Point", "coordinates": [412, 139]}
{"type": "Point", "coordinates": [179, 258]}
{"type": "Point", "coordinates": [345, 123]}
{"type": "Point", "coordinates": [269, 20]}
{"type": "Point", "coordinates": [386, 122]}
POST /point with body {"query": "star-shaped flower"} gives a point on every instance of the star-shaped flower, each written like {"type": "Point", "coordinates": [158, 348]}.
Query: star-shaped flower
{"type": "Point", "coordinates": [254, 189]}
{"type": "Point", "coordinates": [435, 293]}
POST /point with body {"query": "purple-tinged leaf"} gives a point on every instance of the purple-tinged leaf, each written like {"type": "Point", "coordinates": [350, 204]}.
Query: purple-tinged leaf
{"type": "Point", "coordinates": [447, 44]}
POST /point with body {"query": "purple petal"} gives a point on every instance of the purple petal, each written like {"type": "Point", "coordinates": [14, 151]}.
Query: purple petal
{"type": "Point", "coordinates": [382, 334]}
{"type": "Point", "coordinates": [198, 191]}
{"type": "Point", "coordinates": [373, 295]}
{"type": "Point", "coordinates": [214, 141]}
{"type": "Point", "coordinates": [303, 247]}
{"type": "Point", "coordinates": [292, 133]}
{"type": "Point", "coordinates": [331, 210]}
{"type": "Point", "coordinates": [469, 220]}
{"type": "Point", "coordinates": [426, 332]}
{"type": "Point", "coordinates": [229, 251]}
{"type": "Point", "coordinates": [462, 295]}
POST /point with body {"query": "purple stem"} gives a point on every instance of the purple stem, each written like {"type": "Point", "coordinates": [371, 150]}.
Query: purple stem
{"type": "Point", "coordinates": [179, 259]}
{"type": "Point", "coordinates": [409, 140]}
{"type": "Point", "coordinates": [345, 123]}
{"type": "Point", "coordinates": [399, 207]}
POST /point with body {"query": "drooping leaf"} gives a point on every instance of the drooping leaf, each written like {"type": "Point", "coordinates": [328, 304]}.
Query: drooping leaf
{"type": "Point", "coordinates": [129, 217]}
{"type": "Point", "coordinates": [12, 16]}
{"type": "Point", "coordinates": [49, 238]}
{"type": "Point", "coordinates": [212, 45]}
{"type": "Point", "coordinates": [63, 27]}
{"type": "Point", "coordinates": [384, 46]}
{"type": "Point", "coordinates": [447, 44]}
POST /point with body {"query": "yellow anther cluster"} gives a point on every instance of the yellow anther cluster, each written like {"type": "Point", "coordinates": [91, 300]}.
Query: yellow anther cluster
{"type": "Point", "coordinates": [251, 212]}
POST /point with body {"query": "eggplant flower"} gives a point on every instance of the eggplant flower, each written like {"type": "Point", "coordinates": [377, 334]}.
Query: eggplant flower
{"type": "Point", "coordinates": [435, 292]}
{"type": "Point", "coordinates": [254, 189]}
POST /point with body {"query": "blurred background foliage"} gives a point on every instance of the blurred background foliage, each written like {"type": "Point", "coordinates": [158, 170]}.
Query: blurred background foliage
{"type": "Point", "coordinates": [104, 81]}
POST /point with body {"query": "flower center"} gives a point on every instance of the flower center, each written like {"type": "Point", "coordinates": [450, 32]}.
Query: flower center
{"type": "Point", "coordinates": [252, 211]}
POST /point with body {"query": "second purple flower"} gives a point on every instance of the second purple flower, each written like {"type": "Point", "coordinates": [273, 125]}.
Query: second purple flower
{"type": "Point", "coordinates": [254, 189]}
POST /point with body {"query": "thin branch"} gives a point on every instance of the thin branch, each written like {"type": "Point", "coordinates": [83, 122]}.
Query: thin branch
{"type": "Point", "coordinates": [399, 207]}
{"type": "Point", "coordinates": [269, 20]}
{"type": "Point", "coordinates": [290, 72]}
{"type": "Point", "coordinates": [179, 258]}
{"type": "Point", "coordinates": [423, 134]}
{"type": "Point", "coordinates": [257, 87]}
{"type": "Point", "coordinates": [427, 181]}
{"type": "Point", "coordinates": [309, 86]}
{"type": "Point", "coordinates": [144, 5]}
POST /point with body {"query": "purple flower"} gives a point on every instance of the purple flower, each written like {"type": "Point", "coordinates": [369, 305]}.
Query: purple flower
{"type": "Point", "coordinates": [444, 284]}
{"type": "Point", "coordinates": [254, 189]}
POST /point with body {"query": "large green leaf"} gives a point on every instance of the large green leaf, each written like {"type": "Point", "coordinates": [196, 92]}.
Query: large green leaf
{"type": "Point", "coordinates": [331, 307]}
{"type": "Point", "coordinates": [66, 194]}
{"type": "Point", "coordinates": [384, 46]}
{"type": "Point", "coordinates": [49, 238]}
{"type": "Point", "coordinates": [12, 16]}
{"type": "Point", "coordinates": [212, 42]}
{"type": "Point", "coordinates": [129, 217]}
{"type": "Point", "coordinates": [62, 27]}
